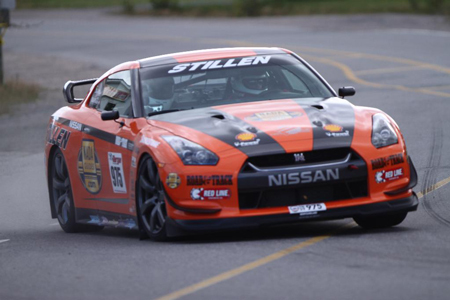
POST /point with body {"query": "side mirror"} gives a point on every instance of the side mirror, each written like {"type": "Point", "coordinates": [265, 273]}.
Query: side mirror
{"type": "Point", "coordinates": [110, 115]}
{"type": "Point", "coordinates": [346, 91]}
{"type": "Point", "coordinates": [68, 89]}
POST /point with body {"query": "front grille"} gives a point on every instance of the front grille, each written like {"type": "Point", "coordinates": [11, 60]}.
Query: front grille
{"type": "Point", "coordinates": [288, 159]}
{"type": "Point", "coordinates": [278, 180]}
{"type": "Point", "coordinates": [303, 195]}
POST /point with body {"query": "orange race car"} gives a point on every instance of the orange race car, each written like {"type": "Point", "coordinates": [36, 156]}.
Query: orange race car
{"type": "Point", "coordinates": [220, 139]}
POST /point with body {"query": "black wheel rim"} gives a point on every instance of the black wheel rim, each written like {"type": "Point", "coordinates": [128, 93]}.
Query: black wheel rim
{"type": "Point", "coordinates": [152, 206]}
{"type": "Point", "coordinates": [61, 188]}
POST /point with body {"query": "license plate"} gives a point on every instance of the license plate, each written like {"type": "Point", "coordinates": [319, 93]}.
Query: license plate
{"type": "Point", "coordinates": [307, 208]}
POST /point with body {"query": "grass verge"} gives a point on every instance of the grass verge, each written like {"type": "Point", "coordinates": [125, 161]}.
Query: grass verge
{"type": "Point", "coordinates": [16, 92]}
{"type": "Point", "coordinates": [31, 4]}
{"type": "Point", "coordinates": [233, 8]}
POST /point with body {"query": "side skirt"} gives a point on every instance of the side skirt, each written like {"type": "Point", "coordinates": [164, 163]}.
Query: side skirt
{"type": "Point", "coordinates": [105, 218]}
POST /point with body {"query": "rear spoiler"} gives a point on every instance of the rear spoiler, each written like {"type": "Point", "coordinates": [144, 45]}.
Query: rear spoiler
{"type": "Point", "coordinates": [68, 89]}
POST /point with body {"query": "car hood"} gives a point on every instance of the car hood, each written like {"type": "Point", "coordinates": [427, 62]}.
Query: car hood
{"type": "Point", "coordinates": [267, 127]}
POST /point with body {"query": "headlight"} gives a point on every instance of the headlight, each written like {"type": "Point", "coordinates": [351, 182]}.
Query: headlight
{"type": "Point", "coordinates": [383, 133]}
{"type": "Point", "coordinates": [191, 153]}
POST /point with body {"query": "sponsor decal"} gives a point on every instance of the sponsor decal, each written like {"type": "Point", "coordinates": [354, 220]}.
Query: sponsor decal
{"type": "Point", "coordinates": [58, 136]}
{"type": "Point", "coordinates": [307, 209]}
{"type": "Point", "coordinates": [220, 63]}
{"type": "Point", "coordinates": [246, 136]}
{"type": "Point", "coordinates": [130, 146]}
{"type": "Point", "coordinates": [104, 221]}
{"type": "Point", "coordinates": [89, 167]}
{"type": "Point", "coordinates": [383, 176]}
{"type": "Point", "coordinates": [173, 180]}
{"type": "Point", "coordinates": [116, 172]}
{"type": "Point", "coordinates": [115, 93]}
{"type": "Point", "coordinates": [289, 130]}
{"type": "Point", "coordinates": [210, 194]}
{"type": "Point", "coordinates": [246, 139]}
{"type": "Point", "coordinates": [276, 115]}
{"type": "Point", "coordinates": [299, 157]}
{"type": "Point", "coordinates": [387, 161]}
{"type": "Point", "coordinates": [303, 177]}
{"type": "Point", "coordinates": [149, 142]}
{"type": "Point", "coordinates": [335, 130]}
{"type": "Point", "coordinates": [133, 162]}
{"type": "Point", "coordinates": [75, 125]}
{"type": "Point", "coordinates": [210, 180]}
{"type": "Point", "coordinates": [124, 143]}
{"type": "Point", "coordinates": [156, 108]}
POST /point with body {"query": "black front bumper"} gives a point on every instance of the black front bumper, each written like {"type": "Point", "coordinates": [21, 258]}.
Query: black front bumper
{"type": "Point", "coordinates": [185, 227]}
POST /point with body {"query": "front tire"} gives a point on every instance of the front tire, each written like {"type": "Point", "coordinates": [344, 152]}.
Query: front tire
{"type": "Point", "coordinates": [151, 203]}
{"type": "Point", "coordinates": [380, 221]}
{"type": "Point", "coordinates": [61, 196]}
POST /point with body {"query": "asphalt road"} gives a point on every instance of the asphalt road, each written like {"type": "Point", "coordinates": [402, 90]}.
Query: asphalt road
{"type": "Point", "coordinates": [400, 64]}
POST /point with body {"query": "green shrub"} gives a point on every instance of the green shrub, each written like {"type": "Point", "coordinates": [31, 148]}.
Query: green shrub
{"type": "Point", "coordinates": [249, 8]}
{"type": "Point", "coordinates": [164, 4]}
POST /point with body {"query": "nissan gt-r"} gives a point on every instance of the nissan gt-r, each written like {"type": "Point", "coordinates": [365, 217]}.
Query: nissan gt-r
{"type": "Point", "coordinates": [222, 139]}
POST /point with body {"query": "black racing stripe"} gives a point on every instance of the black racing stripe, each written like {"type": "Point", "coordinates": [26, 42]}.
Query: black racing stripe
{"type": "Point", "coordinates": [266, 51]}
{"type": "Point", "coordinates": [157, 60]}
{"type": "Point", "coordinates": [111, 200]}
{"type": "Point", "coordinates": [330, 112]}
{"type": "Point", "coordinates": [224, 127]}
{"type": "Point", "coordinates": [62, 121]}
{"type": "Point", "coordinates": [100, 134]}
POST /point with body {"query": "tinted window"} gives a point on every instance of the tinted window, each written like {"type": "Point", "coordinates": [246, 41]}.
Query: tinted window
{"type": "Point", "coordinates": [225, 81]}
{"type": "Point", "coordinates": [114, 93]}
{"type": "Point", "coordinates": [96, 95]}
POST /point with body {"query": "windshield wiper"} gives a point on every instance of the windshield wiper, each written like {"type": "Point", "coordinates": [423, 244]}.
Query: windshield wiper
{"type": "Point", "coordinates": [154, 113]}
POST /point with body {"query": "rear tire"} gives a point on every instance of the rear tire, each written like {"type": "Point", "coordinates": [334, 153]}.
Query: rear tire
{"type": "Point", "coordinates": [380, 221]}
{"type": "Point", "coordinates": [61, 196]}
{"type": "Point", "coordinates": [150, 201]}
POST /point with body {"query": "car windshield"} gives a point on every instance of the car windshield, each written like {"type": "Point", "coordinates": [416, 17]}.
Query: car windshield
{"type": "Point", "coordinates": [232, 80]}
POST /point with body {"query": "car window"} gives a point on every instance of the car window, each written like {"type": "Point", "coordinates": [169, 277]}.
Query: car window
{"type": "Point", "coordinates": [226, 81]}
{"type": "Point", "coordinates": [95, 98]}
{"type": "Point", "coordinates": [295, 82]}
{"type": "Point", "coordinates": [114, 93]}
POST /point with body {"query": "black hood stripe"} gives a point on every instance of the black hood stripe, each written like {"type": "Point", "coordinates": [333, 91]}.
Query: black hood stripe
{"type": "Point", "coordinates": [330, 112]}
{"type": "Point", "coordinates": [224, 127]}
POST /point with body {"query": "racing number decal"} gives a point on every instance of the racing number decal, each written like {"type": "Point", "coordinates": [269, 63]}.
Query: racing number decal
{"type": "Point", "coordinates": [116, 172]}
{"type": "Point", "coordinates": [89, 167]}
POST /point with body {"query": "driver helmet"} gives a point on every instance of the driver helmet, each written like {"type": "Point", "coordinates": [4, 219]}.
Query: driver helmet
{"type": "Point", "coordinates": [252, 81]}
{"type": "Point", "coordinates": [158, 93]}
{"type": "Point", "coordinates": [161, 88]}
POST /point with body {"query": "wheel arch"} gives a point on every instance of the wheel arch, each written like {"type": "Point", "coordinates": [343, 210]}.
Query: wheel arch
{"type": "Point", "coordinates": [49, 180]}
{"type": "Point", "coordinates": [143, 155]}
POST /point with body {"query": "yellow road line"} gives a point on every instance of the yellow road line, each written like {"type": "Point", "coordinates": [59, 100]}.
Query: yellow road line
{"type": "Point", "coordinates": [439, 87]}
{"type": "Point", "coordinates": [348, 72]}
{"type": "Point", "coordinates": [376, 57]}
{"type": "Point", "coordinates": [388, 70]}
{"type": "Point", "coordinates": [433, 187]}
{"type": "Point", "coordinates": [275, 256]}
{"type": "Point", "coordinates": [405, 61]}
{"type": "Point", "coordinates": [346, 69]}
{"type": "Point", "coordinates": [250, 266]}
{"type": "Point", "coordinates": [351, 76]}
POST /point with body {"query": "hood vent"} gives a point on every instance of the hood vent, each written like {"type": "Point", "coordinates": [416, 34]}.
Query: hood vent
{"type": "Point", "coordinates": [218, 116]}
{"type": "Point", "coordinates": [317, 106]}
